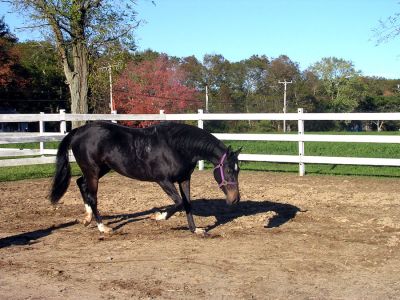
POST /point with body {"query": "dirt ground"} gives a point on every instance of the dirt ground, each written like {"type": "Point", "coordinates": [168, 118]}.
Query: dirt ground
{"type": "Point", "coordinates": [290, 237]}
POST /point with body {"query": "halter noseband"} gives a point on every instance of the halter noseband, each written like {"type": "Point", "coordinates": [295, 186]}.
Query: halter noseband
{"type": "Point", "coordinates": [220, 167]}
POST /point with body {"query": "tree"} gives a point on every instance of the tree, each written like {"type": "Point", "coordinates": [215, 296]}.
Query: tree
{"type": "Point", "coordinates": [388, 29]}
{"type": "Point", "coordinates": [226, 82]}
{"type": "Point", "coordinates": [253, 82]}
{"type": "Point", "coordinates": [281, 68]}
{"type": "Point", "coordinates": [12, 74]}
{"type": "Point", "coordinates": [195, 71]}
{"type": "Point", "coordinates": [5, 32]}
{"type": "Point", "coordinates": [46, 79]}
{"type": "Point", "coordinates": [78, 28]}
{"type": "Point", "coordinates": [113, 60]}
{"type": "Point", "coordinates": [35, 81]}
{"type": "Point", "coordinates": [8, 57]}
{"type": "Point", "coordinates": [257, 70]}
{"type": "Point", "coordinates": [341, 82]}
{"type": "Point", "coordinates": [153, 85]}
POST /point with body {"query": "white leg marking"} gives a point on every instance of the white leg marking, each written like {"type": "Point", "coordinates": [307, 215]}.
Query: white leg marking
{"type": "Point", "coordinates": [88, 209]}
{"type": "Point", "coordinates": [89, 215]}
{"type": "Point", "coordinates": [160, 216]}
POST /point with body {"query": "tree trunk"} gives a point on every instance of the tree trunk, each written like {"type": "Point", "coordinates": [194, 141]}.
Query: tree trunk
{"type": "Point", "coordinates": [78, 82]}
{"type": "Point", "coordinates": [76, 62]}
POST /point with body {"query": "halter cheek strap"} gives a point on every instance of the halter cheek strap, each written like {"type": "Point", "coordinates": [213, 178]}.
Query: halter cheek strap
{"type": "Point", "coordinates": [220, 166]}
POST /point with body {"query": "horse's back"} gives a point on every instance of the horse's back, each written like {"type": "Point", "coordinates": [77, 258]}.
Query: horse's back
{"type": "Point", "coordinates": [97, 142]}
{"type": "Point", "coordinates": [137, 153]}
{"type": "Point", "coordinates": [163, 151]}
{"type": "Point", "coordinates": [93, 136]}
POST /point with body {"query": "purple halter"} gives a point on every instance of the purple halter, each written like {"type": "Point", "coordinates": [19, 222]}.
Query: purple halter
{"type": "Point", "coordinates": [220, 167]}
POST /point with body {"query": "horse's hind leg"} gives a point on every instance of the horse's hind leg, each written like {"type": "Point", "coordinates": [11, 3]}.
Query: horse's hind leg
{"type": "Point", "coordinates": [88, 185]}
{"type": "Point", "coordinates": [83, 189]}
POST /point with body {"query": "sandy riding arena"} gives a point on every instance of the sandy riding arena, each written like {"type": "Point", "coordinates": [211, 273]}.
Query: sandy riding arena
{"type": "Point", "coordinates": [289, 238]}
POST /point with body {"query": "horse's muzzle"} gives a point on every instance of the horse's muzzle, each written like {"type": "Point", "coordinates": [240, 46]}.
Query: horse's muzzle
{"type": "Point", "coordinates": [232, 196]}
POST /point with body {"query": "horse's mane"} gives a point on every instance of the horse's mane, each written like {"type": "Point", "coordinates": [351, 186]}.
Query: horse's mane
{"type": "Point", "coordinates": [189, 138]}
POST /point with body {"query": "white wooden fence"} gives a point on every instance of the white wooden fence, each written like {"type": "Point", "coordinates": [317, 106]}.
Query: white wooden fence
{"type": "Point", "coordinates": [301, 159]}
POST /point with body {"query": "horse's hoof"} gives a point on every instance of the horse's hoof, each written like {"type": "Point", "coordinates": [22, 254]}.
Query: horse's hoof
{"type": "Point", "coordinates": [200, 231]}
{"type": "Point", "coordinates": [108, 230]}
{"type": "Point", "coordinates": [105, 229]}
{"type": "Point", "coordinates": [86, 222]}
{"type": "Point", "coordinates": [159, 216]}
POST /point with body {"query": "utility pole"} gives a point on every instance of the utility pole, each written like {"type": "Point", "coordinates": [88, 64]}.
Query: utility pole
{"type": "Point", "coordinates": [206, 98]}
{"type": "Point", "coordinates": [109, 69]}
{"type": "Point", "coordinates": [285, 83]}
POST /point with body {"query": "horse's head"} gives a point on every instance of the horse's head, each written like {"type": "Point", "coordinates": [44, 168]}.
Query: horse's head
{"type": "Point", "coordinates": [226, 174]}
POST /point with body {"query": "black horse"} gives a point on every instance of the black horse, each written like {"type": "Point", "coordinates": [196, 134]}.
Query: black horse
{"type": "Point", "coordinates": [165, 153]}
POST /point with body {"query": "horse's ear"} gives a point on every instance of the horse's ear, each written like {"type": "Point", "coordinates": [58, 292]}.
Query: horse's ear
{"type": "Point", "coordinates": [238, 151]}
{"type": "Point", "coordinates": [229, 149]}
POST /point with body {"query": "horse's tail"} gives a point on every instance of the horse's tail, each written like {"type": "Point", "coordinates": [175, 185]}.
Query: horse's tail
{"type": "Point", "coordinates": [62, 174]}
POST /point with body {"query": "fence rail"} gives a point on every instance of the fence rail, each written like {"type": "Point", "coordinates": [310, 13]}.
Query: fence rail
{"type": "Point", "coordinates": [301, 159]}
{"type": "Point", "coordinates": [62, 116]}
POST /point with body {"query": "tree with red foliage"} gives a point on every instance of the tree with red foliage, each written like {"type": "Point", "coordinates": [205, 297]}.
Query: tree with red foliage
{"type": "Point", "coordinates": [12, 75]}
{"type": "Point", "coordinates": [148, 86]}
{"type": "Point", "coordinates": [8, 56]}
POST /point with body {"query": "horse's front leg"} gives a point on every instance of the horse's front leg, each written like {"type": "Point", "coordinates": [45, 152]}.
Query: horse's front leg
{"type": "Point", "coordinates": [184, 188]}
{"type": "Point", "coordinates": [170, 189]}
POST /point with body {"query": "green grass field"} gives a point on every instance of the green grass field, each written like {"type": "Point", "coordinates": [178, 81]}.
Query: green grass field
{"type": "Point", "coordinates": [322, 149]}
{"type": "Point", "coordinates": [277, 148]}
{"type": "Point", "coordinates": [31, 172]}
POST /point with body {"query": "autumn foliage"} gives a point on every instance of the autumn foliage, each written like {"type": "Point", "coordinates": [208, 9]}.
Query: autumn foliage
{"type": "Point", "coordinates": [9, 59]}
{"type": "Point", "coordinates": [149, 86]}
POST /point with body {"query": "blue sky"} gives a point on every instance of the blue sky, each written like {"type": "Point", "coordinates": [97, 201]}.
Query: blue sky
{"type": "Point", "coordinates": [305, 30]}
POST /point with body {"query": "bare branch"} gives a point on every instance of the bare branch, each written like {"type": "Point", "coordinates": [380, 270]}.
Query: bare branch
{"type": "Point", "coordinates": [123, 33]}
{"type": "Point", "coordinates": [32, 26]}
{"type": "Point", "coordinates": [387, 29]}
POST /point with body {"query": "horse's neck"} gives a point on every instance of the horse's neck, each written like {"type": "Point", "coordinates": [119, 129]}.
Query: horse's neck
{"type": "Point", "coordinates": [198, 146]}
{"type": "Point", "coordinates": [212, 154]}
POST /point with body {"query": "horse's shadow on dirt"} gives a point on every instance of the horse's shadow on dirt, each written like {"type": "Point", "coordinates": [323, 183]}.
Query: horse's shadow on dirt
{"type": "Point", "coordinates": [202, 207]}
{"type": "Point", "coordinates": [28, 238]}
{"type": "Point", "coordinates": [221, 211]}
{"type": "Point", "coordinates": [224, 214]}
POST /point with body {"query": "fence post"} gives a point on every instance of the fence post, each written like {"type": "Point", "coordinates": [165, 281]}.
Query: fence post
{"type": "Point", "coordinates": [300, 128]}
{"type": "Point", "coordinates": [113, 112]}
{"type": "Point", "coordinates": [41, 131]}
{"type": "Point", "coordinates": [162, 112]}
{"type": "Point", "coordinates": [63, 123]}
{"type": "Point", "coordinates": [200, 124]}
